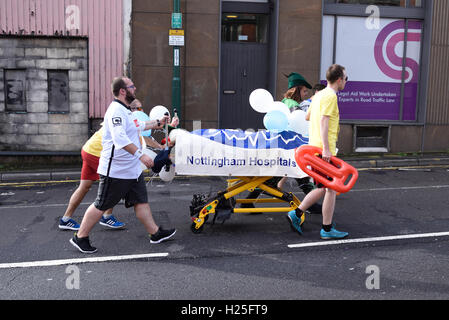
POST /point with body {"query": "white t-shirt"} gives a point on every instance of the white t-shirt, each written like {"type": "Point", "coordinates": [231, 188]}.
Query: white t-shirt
{"type": "Point", "coordinates": [121, 128]}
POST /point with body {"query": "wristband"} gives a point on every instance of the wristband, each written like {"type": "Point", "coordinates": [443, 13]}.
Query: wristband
{"type": "Point", "coordinates": [138, 154]}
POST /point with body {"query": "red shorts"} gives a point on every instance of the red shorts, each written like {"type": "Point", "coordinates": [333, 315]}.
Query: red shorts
{"type": "Point", "coordinates": [90, 166]}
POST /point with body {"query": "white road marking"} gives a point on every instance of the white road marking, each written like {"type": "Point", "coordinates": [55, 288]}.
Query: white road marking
{"type": "Point", "coordinates": [374, 239]}
{"type": "Point", "coordinates": [43, 205]}
{"type": "Point", "coordinates": [400, 188]}
{"type": "Point", "coordinates": [51, 263]}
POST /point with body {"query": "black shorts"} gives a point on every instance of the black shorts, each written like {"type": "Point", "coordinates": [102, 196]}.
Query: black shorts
{"type": "Point", "coordinates": [318, 184]}
{"type": "Point", "coordinates": [112, 190]}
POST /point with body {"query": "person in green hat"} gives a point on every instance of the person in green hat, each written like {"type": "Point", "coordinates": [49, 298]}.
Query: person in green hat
{"type": "Point", "coordinates": [298, 91]}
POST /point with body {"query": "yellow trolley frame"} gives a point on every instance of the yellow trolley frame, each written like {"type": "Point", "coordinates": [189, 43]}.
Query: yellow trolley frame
{"type": "Point", "coordinates": [242, 184]}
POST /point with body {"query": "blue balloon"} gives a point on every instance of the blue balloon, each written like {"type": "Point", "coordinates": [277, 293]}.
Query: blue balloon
{"type": "Point", "coordinates": [276, 121]}
{"type": "Point", "coordinates": [146, 133]}
{"type": "Point", "coordinates": [142, 116]}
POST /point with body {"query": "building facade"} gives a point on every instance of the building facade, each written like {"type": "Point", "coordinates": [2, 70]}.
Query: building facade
{"type": "Point", "coordinates": [396, 53]}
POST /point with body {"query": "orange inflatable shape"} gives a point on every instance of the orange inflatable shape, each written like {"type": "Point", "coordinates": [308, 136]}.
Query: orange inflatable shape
{"type": "Point", "coordinates": [336, 175]}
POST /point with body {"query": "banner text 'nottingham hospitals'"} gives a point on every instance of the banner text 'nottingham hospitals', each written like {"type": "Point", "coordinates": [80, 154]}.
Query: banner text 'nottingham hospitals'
{"type": "Point", "coordinates": [251, 161]}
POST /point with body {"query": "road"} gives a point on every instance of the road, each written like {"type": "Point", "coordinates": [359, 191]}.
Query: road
{"type": "Point", "coordinates": [249, 257]}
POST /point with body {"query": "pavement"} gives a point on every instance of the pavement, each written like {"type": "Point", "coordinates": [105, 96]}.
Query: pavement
{"type": "Point", "coordinates": [367, 162]}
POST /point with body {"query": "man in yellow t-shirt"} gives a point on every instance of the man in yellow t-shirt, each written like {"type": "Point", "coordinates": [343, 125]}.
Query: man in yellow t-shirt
{"type": "Point", "coordinates": [323, 133]}
{"type": "Point", "coordinates": [90, 153]}
{"type": "Point", "coordinates": [324, 105]}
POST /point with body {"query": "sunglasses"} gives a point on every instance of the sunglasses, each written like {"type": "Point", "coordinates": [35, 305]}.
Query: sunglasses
{"type": "Point", "coordinates": [131, 87]}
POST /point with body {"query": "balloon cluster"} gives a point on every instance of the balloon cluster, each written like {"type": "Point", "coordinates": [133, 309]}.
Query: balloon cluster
{"type": "Point", "coordinates": [278, 116]}
{"type": "Point", "coordinates": [156, 113]}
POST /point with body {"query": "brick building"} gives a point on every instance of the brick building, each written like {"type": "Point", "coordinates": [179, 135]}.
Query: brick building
{"type": "Point", "coordinates": [57, 59]}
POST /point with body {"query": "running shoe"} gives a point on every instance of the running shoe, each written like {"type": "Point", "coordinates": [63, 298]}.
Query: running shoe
{"type": "Point", "coordinates": [82, 244]}
{"type": "Point", "coordinates": [294, 221]}
{"type": "Point", "coordinates": [69, 225]}
{"type": "Point", "coordinates": [111, 222]}
{"type": "Point", "coordinates": [162, 235]}
{"type": "Point", "coordinates": [334, 234]}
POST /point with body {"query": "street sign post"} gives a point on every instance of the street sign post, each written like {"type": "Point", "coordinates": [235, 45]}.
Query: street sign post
{"type": "Point", "coordinates": [176, 39]}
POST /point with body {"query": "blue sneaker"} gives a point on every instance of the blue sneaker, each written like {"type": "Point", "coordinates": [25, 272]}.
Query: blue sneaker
{"type": "Point", "coordinates": [295, 222]}
{"type": "Point", "coordinates": [333, 234]}
{"type": "Point", "coordinates": [111, 222]}
{"type": "Point", "coordinates": [69, 225]}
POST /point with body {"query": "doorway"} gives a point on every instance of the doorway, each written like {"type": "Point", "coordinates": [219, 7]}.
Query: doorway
{"type": "Point", "coordinates": [245, 62]}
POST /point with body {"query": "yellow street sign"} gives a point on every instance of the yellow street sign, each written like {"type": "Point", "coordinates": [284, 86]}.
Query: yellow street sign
{"type": "Point", "coordinates": [173, 32]}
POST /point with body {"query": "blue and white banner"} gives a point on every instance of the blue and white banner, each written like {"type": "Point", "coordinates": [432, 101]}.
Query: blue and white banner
{"type": "Point", "coordinates": [238, 153]}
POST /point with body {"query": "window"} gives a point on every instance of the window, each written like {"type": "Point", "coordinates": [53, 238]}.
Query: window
{"type": "Point", "coordinates": [394, 3]}
{"type": "Point", "coordinates": [371, 139]}
{"type": "Point", "coordinates": [15, 89]}
{"type": "Point", "coordinates": [244, 27]}
{"type": "Point", "coordinates": [58, 91]}
{"type": "Point", "coordinates": [382, 59]}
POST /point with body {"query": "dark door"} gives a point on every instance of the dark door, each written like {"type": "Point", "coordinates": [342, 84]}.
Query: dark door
{"type": "Point", "coordinates": [244, 68]}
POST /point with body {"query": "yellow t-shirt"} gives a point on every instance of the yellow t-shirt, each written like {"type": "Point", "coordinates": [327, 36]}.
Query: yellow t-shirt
{"type": "Point", "coordinates": [93, 145]}
{"type": "Point", "coordinates": [324, 104]}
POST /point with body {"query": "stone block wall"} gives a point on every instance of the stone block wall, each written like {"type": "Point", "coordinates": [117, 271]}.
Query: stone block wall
{"type": "Point", "coordinates": [43, 113]}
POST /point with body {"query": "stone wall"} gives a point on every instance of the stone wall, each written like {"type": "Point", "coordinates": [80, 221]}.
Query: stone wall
{"type": "Point", "coordinates": [40, 109]}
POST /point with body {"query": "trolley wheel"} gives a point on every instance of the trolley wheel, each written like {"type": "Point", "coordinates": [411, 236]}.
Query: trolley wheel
{"type": "Point", "coordinates": [195, 230]}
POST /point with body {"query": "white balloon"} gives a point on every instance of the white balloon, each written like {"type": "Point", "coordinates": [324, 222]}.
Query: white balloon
{"type": "Point", "coordinates": [173, 154]}
{"type": "Point", "coordinates": [260, 100]}
{"type": "Point", "coordinates": [167, 176]}
{"type": "Point", "coordinates": [174, 133]}
{"type": "Point", "coordinates": [158, 112]}
{"type": "Point", "coordinates": [280, 106]}
{"type": "Point", "coordinates": [149, 153]}
{"type": "Point", "coordinates": [297, 122]}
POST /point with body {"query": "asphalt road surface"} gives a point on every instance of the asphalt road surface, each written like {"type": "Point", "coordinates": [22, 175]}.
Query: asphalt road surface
{"type": "Point", "coordinates": [398, 221]}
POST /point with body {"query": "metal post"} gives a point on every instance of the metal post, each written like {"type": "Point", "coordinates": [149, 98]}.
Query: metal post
{"type": "Point", "coordinates": [176, 81]}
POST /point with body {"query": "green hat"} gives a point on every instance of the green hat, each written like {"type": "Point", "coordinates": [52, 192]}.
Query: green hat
{"type": "Point", "coordinates": [295, 79]}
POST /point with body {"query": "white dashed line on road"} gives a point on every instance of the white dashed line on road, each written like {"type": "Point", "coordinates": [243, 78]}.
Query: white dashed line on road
{"type": "Point", "coordinates": [51, 263]}
{"type": "Point", "coordinates": [374, 239]}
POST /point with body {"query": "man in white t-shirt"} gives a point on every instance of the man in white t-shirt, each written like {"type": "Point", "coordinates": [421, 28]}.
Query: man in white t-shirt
{"type": "Point", "coordinates": [119, 168]}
